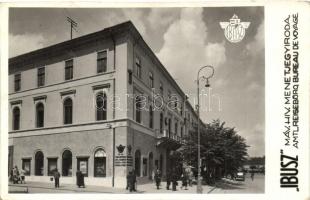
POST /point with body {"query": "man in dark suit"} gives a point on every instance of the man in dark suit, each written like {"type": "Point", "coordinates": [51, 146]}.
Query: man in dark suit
{"type": "Point", "coordinates": [56, 177]}
{"type": "Point", "coordinates": [168, 176]}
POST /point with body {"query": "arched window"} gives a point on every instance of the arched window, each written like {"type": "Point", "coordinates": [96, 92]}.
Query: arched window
{"type": "Point", "coordinates": [39, 163]}
{"type": "Point", "coordinates": [101, 106]}
{"type": "Point", "coordinates": [67, 163]}
{"type": "Point", "coordinates": [68, 111]}
{"type": "Point", "coordinates": [100, 163]}
{"type": "Point", "coordinates": [16, 118]}
{"type": "Point", "coordinates": [40, 115]}
{"type": "Point", "coordinates": [138, 163]}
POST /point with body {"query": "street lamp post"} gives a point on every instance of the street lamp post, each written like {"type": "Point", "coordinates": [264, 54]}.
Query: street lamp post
{"type": "Point", "coordinates": [199, 186]}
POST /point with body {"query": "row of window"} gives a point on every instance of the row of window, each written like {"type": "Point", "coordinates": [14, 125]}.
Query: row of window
{"type": "Point", "coordinates": [101, 111]}
{"type": "Point", "coordinates": [66, 164]}
{"type": "Point", "coordinates": [138, 72]}
{"type": "Point", "coordinates": [101, 67]}
{"type": "Point", "coordinates": [101, 114]}
{"type": "Point", "coordinates": [138, 118]}
{"type": "Point", "coordinates": [100, 164]}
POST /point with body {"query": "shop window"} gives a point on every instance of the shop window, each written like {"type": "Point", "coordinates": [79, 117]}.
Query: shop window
{"type": "Point", "coordinates": [67, 163]}
{"type": "Point", "coordinates": [40, 115]}
{"type": "Point", "coordinates": [16, 118]}
{"type": "Point", "coordinates": [101, 106]}
{"type": "Point", "coordinates": [51, 166]}
{"type": "Point", "coordinates": [101, 61]}
{"type": "Point", "coordinates": [82, 165]}
{"type": "Point", "coordinates": [100, 163]}
{"type": "Point", "coordinates": [68, 110]}
{"type": "Point", "coordinates": [138, 163]}
{"type": "Point", "coordinates": [144, 173]}
{"type": "Point", "coordinates": [26, 166]}
{"type": "Point", "coordinates": [39, 163]}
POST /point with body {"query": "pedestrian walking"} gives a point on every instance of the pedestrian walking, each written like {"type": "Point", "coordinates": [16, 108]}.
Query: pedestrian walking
{"type": "Point", "coordinates": [22, 176]}
{"type": "Point", "coordinates": [80, 179]}
{"type": "Point", "coordinates": [190, 178]}
{"type": "Point", "coordinates": [157, 178]}
{"type": "Point", "coordinates": [135, 184]}
{"type": "Point", "coordinates": [174, 179]}
{"type": "Point", "coordinates": [252, 175]}
{"type": "Point", "coordinates": [130, 181]}
{"type": "Point", "coordinates": [184, 181]}
{"type": "Point", "coordinates": [168, 177]}
{"type": "Point", "coordinates": [153, 176]}
{"type": "Point", "coordinates": [56, 177]}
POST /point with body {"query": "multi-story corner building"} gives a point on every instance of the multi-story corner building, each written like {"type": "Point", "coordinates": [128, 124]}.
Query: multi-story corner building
{"type": "Point", "coordinates": [101, 103]}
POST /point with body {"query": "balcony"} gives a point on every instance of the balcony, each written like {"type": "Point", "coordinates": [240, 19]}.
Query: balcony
{"type": "Point", "coordinates": [169, 141]}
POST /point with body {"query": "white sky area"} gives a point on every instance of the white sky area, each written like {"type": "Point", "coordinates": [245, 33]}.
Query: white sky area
{"type": "Point", "coordinates": [184, 39]}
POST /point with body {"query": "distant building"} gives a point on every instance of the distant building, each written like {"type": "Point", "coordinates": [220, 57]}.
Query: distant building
{"type": "Point", "coordinates": [76, 105]}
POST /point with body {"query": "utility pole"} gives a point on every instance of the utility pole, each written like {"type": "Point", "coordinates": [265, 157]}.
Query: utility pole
{"type": "Point", "coordinates": [73, 25]}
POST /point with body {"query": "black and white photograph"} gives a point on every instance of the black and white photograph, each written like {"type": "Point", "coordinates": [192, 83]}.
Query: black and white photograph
{"type": "Point", "coordinates": [136, 100]}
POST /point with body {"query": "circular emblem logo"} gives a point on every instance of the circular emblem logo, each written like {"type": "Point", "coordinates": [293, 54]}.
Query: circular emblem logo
{"type": "Point", "coordinates": [234, 33]}
{"type": "Point", "coordinates": [234, 30]}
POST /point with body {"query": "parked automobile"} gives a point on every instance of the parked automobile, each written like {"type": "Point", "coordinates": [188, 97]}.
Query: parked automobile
{"type": "Point", "coordinates": [240, 176]}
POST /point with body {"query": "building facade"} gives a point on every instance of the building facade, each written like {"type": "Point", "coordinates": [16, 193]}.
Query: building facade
{"type": "Point", "coordinates": [101, 103]}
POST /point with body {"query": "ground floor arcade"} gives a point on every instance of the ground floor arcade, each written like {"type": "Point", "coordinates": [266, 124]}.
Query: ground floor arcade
{"type": "Point", "coordinates": [104, 156]}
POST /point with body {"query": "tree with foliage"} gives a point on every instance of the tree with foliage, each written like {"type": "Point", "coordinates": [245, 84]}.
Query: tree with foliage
{"type": "Point", "coordinates": [223, 151]}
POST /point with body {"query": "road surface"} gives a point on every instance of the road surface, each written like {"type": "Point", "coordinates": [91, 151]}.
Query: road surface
{"type": "Point", "coordinates": [247, 186]}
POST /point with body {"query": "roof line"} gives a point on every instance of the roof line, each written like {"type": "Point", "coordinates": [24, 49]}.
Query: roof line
{"type": "Point", "coordinates": [108, 31]}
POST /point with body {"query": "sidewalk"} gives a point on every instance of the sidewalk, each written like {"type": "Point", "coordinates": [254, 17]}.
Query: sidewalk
{"type": "Point", "coordinates": [39, 187]}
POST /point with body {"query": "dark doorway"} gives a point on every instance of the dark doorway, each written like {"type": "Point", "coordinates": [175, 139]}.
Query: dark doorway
{"type": "Point", "coordinates": [67, 163]}
{"type": "Point", "coordinates": [39, 163]}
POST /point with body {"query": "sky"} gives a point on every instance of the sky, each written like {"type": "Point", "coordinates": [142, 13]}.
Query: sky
{"type": "Point", "coordinates": [184, 39]}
